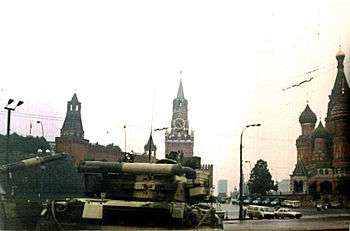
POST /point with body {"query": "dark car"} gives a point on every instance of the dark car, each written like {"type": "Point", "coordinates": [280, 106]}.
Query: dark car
{"type": "Point", "coordinates": [247, 200]}
{"type": "Point", "coordinates": [257, 201]}
{"type": "Point", "coordinates": [275, 202]}
{"type": "Point", "coordinates": [266, 201]}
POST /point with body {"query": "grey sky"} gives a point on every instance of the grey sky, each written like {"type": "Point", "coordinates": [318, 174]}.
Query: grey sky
{"type": "Point", "coordinates": [123, 59]}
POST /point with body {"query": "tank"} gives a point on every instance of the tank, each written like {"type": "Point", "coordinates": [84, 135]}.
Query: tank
{"type": "Point", "coordinates": [165, 193]}
{"type": "Point", "coordinates": [21, 213]}
{"type": "Point", "coordinates": [31, 162]}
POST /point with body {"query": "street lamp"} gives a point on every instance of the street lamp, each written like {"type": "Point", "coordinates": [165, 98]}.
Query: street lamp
{"type": "Point", "coordinates": [9, 109]}
{"type": "Point", "coordinates": [124, 140]}
{"type": "Point", "coordinates": [241, 170]}
{"type": "Point", "coordinates": [42, 127]}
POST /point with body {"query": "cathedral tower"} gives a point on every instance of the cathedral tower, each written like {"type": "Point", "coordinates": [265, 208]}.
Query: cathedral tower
{"type": "Point", "coordinates": [338, 117]}
{"type": "Point", "coordinates": [307, 121]}
{"type": "Point", "coordinates": [179, 139]}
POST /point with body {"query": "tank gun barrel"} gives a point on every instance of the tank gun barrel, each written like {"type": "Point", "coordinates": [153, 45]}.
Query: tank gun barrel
{"type": "Point", "coordinates": [31, 162]}
{"type": "Point", "coordinates": [135, 168]}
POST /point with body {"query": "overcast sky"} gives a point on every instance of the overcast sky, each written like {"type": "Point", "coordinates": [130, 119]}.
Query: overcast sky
{"type": "Point", "coordinates": [123, 59]}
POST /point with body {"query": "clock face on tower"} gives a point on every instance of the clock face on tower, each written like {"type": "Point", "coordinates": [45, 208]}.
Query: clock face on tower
{"type": "Point", "coordinates": [179, 123]}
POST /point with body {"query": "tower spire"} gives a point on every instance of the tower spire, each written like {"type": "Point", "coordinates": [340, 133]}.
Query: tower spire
{"type": "Point", "coordinates": [340, 84]}
{"type": "Point", "coordinates": [72, 125]}
{"type": "Point", "coordinates": [180, 91]}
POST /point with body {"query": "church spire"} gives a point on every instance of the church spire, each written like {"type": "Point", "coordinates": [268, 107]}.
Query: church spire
{"type": "Point", "coordinates": [340, 85]}
{"type": "Point", "coordinates": [74, 99]}
{"type": "Point", "coordinates": [180, 91]}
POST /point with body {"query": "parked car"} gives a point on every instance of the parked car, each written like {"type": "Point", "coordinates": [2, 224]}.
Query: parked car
{"type": "Point", "coordinates": [334, 205]}
{"type": "Point", "coordinates": [257, 201]}
{"type": "Point", "coordinates": [248, 200]}
{"type": "Point", "coordinates": [286, 212]}
{"type": "Point", "coordinates": [266, 201]}
{"type": "Point", "coordinates": [321, 206]}
{"type": "Point", "coordinates": [291, 203]}
{"type": "Point", "coordinates": [275, 202]}
{"type": "Point", "coordinates": [260, 212]}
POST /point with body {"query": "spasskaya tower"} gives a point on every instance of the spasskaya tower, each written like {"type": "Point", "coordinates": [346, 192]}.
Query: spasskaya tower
{"type": "Point", "coordinates": [179, 139]}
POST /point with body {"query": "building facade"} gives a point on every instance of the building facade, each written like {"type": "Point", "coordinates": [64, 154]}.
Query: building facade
{"type": "Point", "coordinates": [323, 153]}
{"type": "Point", "coordinates": [180, 139]}
{"type": "Point", "coordinates": [222, 188]}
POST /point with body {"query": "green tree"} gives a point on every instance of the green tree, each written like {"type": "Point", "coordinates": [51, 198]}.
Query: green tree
{"type": "Point", "coordinates": [260, 180]}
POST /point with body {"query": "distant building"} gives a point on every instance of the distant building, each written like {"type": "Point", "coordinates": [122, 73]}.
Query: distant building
{"type": "Point", "coordinates": [180, 139]}
{"type": "Point", "coordinates": [323, 153]}
{"type": "Point", "coordinates": [284, 186]}
{"type": "Point", "coordinates": [222, 188]}
{"type": "Point", "coordinates": [72, 141]}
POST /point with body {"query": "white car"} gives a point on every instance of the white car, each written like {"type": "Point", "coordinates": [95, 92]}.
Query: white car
{"type": "Point", "coordinates": [285, 212]}
{"type": "Point", "coordinates": [260, 212]}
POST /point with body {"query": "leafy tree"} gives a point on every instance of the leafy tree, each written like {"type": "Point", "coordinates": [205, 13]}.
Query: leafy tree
{"type": "Point", "coordinates": [260, 180]}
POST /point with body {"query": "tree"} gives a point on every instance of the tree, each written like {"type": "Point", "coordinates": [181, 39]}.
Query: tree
{"type": "Point", "coordinates": [260, 180]}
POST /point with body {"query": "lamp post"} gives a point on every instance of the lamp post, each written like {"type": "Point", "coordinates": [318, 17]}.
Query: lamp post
{"type": "Point", "coordinates": [124, 141]}
{"type": "Point", "coordinates": [42, 127]}
{"type": "Point", "coordinates": [241, 170]}
{"type": "Point", "coordinates": [9, 110]}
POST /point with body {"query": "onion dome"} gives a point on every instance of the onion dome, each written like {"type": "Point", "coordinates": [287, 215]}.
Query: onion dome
{"type": "Point", "coordinates": [320, 132]}
{"type": "Point", "coordinates": [340, 52]}
{"type": "Point", "coordinates": [307, 116]}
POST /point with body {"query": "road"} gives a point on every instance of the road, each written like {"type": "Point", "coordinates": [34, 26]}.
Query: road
{"type": "Point", "coordinates": [331, 219]}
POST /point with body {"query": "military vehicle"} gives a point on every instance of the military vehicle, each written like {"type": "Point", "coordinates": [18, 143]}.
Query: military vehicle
{"type": "Point", "coordinates": [165, 193]}
{"type": "Point", "coordinates": [20, 213]}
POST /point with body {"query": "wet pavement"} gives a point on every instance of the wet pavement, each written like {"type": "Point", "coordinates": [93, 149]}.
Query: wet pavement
{"type": "Point", "coordinates": [331, 219]}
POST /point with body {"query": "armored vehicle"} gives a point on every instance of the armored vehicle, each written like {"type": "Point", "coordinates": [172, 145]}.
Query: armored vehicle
{"type": "Point", "coordinates": [165, 193]}
{"type": "Point", "coordinates": [20, 213]}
